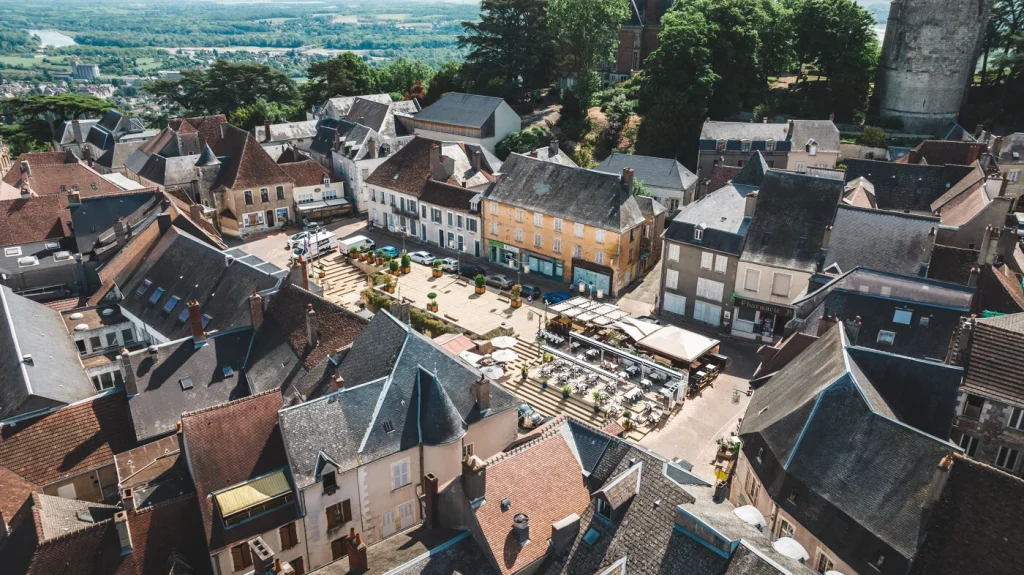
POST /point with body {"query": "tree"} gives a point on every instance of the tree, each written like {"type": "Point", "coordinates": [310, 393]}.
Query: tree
{"type": "Point", "coordinates": [574, 118]}
{"type": "Point", "coordinates": [448, 78]}
{"type": "Point", "coordinates": [346, 75]}
{"type": "Point", "coordinates": [838, 37]}
{"type": "Point", "coordinates": [511, 48]}
{"type": "Point", "coordinates": [586, 30]}
{"type": "Point", "coordinates": [639, 189]}
{"type": "Point", "coordinates": [874, 137]}
{"type": "Point", "coordinates": [39, 115]}
{"type": "Point", "coordinates": [401, 74]}
{"type": "Point", "coordinates": [522, 142]}
{"type": "Point", "coordinates": [252, 115]}
{"type": "Point", "coordinates": [1002, 35]}
{"type": "Point", "coordinates": [225, 87]}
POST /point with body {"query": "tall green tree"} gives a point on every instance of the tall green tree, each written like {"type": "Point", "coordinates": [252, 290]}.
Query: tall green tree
{"type": "Point", "coordinates": [345, 75]}
{"type": "Point", "coordinates": [401, 74]}
{"type": "Point", "coordinates": [511, 48]}
{"type": "Point", "coordinates": [449, 78]}
{"type": "Point", "coordinates": [252, 115]}
{"type": "Point", "coordinates": [586, 30]}
{"type": "Point", "coordinates": [1003, 36]}
{"type": "Point", "coordinates": [37, 116]}
{"type": "Point", "coordinates": [225, 87]}
{"type": "Point", "coordinates": [838, 37]}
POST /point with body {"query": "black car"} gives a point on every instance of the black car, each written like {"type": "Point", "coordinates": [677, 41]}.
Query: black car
{"type": "Point", "coordinates": [471, 271]}
{"type": "Point", "coordinates": [530, 291]}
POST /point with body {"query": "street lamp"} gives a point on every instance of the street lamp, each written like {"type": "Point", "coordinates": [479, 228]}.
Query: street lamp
{"type": "Point", "coordinates": [403, 238]}
{"type": "Point", "coordinates": [512, 262]}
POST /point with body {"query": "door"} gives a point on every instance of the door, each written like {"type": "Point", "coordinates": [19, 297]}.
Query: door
{"type": "Point", "coordinates": [707, 313]}
{"type": "Point", "coordinates": [476, 248]}
{"type": "Point", "coordinates": [66, 491]}
{"type": "Point", "coordinates": [440, 238]}
{"type": "Point", "coordinates": [387, 527]}
{"type": "Point", "coordinates": [423, 232]}
{"type": "Point", "coordinates": [405, 515]}
{"type": "Point", "coordinates": [270, 218]}
{"type": "Point", "coordinates": [675, 304]}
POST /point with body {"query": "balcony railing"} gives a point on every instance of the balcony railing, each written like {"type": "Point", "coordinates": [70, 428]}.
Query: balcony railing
{"type": "Point", "coordinates": [412, 214]}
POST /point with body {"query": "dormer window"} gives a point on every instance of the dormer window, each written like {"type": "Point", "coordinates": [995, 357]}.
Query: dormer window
{"type": "Point", "coordinates": [769, 146]}
{"type": "Point", "coordinates": [720, 145]}
{"type": "Point", "coordinates": [745, 146]}
{"type": "Point", "coordinates": [812, 147]}
{"type": "Point", "coordinates": [698, 234]}
{"type": "Point", "coordinates": [327, 181]}
{"type": "Point", "coordinates": [603, 509]}
{"type": "Point", "coordinates": [330, 482]}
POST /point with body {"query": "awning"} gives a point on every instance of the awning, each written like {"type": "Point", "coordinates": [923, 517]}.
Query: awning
{"type": "Point", "coordinates": [252, 493]}
{"type": "Point", "coordinates": [322, 205]}
{"type": "Point", "coordinates": [790, 548]}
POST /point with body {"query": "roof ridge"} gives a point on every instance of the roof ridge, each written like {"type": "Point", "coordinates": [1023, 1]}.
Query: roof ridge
{"type": "Point", "coordinates": [151, 508]}
{"type": "Point", "coordinates": [229, 403]}
{"type": "Point", "coordinates": [544, 432]}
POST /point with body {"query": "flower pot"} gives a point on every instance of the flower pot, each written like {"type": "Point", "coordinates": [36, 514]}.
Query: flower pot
{"type": "Point", "coordinates": [323, 275]}
{"type": "Point", "coordinates": [597, 409]}
{"type": "Point", "coordinates": [369, 281]}
{"type": "Point", "coordinates": [432, 306]}
{"type": "Point", "coordinates": [437, 273]}
{"type": "Point", "coordinates": [543, 385]}
{"type": "Point", "coordinates": [517, 303]}
{"type": "Point", "coordinates": [380, 261]}
{"type": "Point", "coordinates": [565, 395]}
{"type": "Point", "coordinates": [480, 289]}
{"type": "Point", "coordinates": [394, 273]}
{"type": "Point", "coordinates": [406, 270]}
{"type": "Point", "coordinates": [391, 289]}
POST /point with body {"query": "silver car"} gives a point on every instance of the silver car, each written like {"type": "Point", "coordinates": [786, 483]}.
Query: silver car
{"type": "Point", "coordinates": [425, 258]}
{"type": "Point", "coordinates": [450, 264]}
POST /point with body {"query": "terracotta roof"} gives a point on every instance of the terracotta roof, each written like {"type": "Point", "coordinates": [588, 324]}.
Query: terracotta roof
{"type": "Point", "coordinates": [546, 483]}
{"type": "Point", "coordinates": [62, 178]}
{"type": "Point", "coordinates": [127, 259]}
{"type": "Point", "coordinates": [337, 326]}
{"type": "Point", "coordinates": [230, 444]}
{"type": "Point", "coordinates": [406, 170]}
{"type": "Point", "coordinates": [14, 491]}
{"type": "Point", "coordinates": [996, 359]}
{"type": "Point", "coordinates": [202, 227]}
{"type": "Point", "coordinates": [67, 304]}
{"type": "Point", "coordinates": [208, 127]}
{"type": "Point", "coordinates": [247, 164]}
{"type": "Point", "coordinates": [305, 172]}
{"type": "Point", "coordinates": [33, 220]}
{"type": "Point", "coordinates": [69, 441]}
{"type": "Point", "coordinates": [720, 176]}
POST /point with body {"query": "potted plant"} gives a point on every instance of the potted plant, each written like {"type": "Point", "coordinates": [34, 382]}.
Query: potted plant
{"type": "Point", "coordinates": [597, 402]}
{"type": "Point", "coordinates": [321, 270]}
{"type": "Point", "coordinates": [481, 283]}
{"type": "Point", "coordinates": [525, 372]}
{"type": "Point", "coordinates": [406, 264]}
{"type": "Point", "coordinates": [437, 271]}
{"type": "Point", "coordinates": [393, 266]}
{"type": "Point", "coordinates": [380, 258]}
{"type": "Point", "coordinates": [353, 252]}
{"type": "Point", "coordinates": [566, 390]}
{"type": "Point", "coordinates": [628, 424]}
{"type": "Point", "coordinates": [515, 292]}
{"type": "Point", "coordinates": [391, 286]}
{"type": "Point", "coordinates": [432, 304]}
{"type": "Point", "coordinates": [548, 358]}
{"type": "Point", "coordinates": [544, 383]}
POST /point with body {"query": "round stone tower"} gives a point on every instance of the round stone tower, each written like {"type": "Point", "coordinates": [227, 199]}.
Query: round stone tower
{"type": "Point", "coordinates": [928, 60]}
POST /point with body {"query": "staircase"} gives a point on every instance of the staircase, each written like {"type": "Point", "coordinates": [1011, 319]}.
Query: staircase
{"type": "Point", "coordinates": [342, 278]}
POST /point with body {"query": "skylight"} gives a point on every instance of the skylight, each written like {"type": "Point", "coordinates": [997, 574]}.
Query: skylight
{"type": "Point", "coordinates": [157, 294]}
{"type": "Point", "coordinates": [206, 320]}
{"type": "Point", "coordinates": [183, 316]}
{"type": "Point", "coordinates": [186, 383]}
{"type": "Point", "coordinates": [228, 372]}
{"type": "Point", "coordinates": [142, 288]}
{"type": "Point", "coordinates": [591, 536]}
{"type": "Point", "coordinates": [173, 301]}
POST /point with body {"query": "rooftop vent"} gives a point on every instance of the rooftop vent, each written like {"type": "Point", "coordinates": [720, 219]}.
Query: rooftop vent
{"type": "Point", "coordinates": [506, 504]}
{"type": "Point", "coordinates": [228, 372]}
{"type": "Point", "coordinates": [82, 327]}
{"type": "Point", "coordinates": [152, 350]}
{"type": "Point", "coordinates": [27, 359]}
{"type": "Point", "coordinates": [76, 315]}
{"type": "Point", "coordinates": [389, 426]}
{"type": "Point", "coordinates": [521, 525]}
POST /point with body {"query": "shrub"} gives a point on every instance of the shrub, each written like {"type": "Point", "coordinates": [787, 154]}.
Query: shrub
{"type": "Point", "coordinates": [516, 291]}
{"type": "Point", "coordinates": [874, 137]}
{"type": "Point", "coordinates": [437, 263]}
{"type": "Point", "coordinates": [393, 265]}
{"type": "Point", "coordinates": [480, 280]}
{"type": "Point", "coordinates": [406, 261]}
{"type": "Point", "coordinates": [431, 296]}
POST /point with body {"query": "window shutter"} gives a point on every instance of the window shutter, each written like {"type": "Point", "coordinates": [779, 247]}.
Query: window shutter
{"type": "Point", "coordinates": [346, 511]}
{"type": "Point", "coordinates": [396, 476]}
{"type": "Point", "coordinates": [673, 252]}
{"type": "Point", "coordinates": [721, 264]}
{"type": "Point", "coordinates": [707, 260]}
{"type": "Point", "coordinates": [672, 279]}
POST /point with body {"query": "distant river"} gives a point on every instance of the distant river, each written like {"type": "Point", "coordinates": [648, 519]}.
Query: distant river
{"type": "Point", "coordinates": [53, 38]}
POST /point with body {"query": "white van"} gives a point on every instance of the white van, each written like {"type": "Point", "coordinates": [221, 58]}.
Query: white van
{"type": "Point", "coordinates": [316, 245]}
{"type": "Point", "coordinates": [357, 242]}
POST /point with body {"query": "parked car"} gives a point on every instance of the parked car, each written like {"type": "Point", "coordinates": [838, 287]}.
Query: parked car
{"type": "Point", "coordinates": [299, 239]}
{"type": "Point", "coordinates": [450, 264]}
{"type": "Point", "coordinates": [556, 297]}
{"type": "Point", "coordinates": [388, 251]}
{"type": "Point", "coordinates": [528, 418]}
{"type": "Point", "coordinates": [530, 291]}
{"type": "Point", "coordinates": [650, 319]}
{"type": "Point", "coordinates": [425, 258]}
{"type": "Point", "coordinates": [500, 282]}
{"type": "Point", "coordinates": [471, 271]}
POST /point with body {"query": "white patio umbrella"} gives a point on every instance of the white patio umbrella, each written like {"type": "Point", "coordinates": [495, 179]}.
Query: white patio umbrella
{"type": "Point", "coordinates": [751, 515]}
{"type": "Point", "coordinates": [504, 342]}
{"type": "Point", "coordinates": [493, 372]}
{"type": "Point", "coordinates": [790, 548]}
{"type": "Point", "coordinates": [472, 358]}
{"type": "Point", "coordinates": [504, 356]}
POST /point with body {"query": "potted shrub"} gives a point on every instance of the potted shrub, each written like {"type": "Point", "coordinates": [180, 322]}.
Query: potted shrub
{"type": "Point", "coordinates": [380, 258]}
{"type": "Point", "coordinates": [597, 402]}
{"type": "Point", "coordinates": [481, 283]}
{"type": "Point", "coordinates": [393, 266]}
{"type": "Point", "coordinates": [628, 424]}
{"type": "Point", "coordinates": [321, 270]}
{"type": "Point", "coordinates": [437, 271]}
{"type": "Point", "coordinates": [515, 292]}
{"type": "Point", "coordinates": [432, 304]}
{"type": "Point", "coordinates": [391, 286]}
{"type": "Point", "coordinates": [566, 390]}
{"type": "Point", "coordinates": [525, 372]}
{"type": "Point", "coordinates": [353, 252]}
{"type": "Point", "coordinates": [548, 358]}
{"type": "Point", "coordinates": [544, 383]}
{"type": "Point", "coordinates": [406, 264]}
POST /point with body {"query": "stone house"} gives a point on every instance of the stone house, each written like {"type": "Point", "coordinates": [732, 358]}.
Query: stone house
{"type": "Point", "coordinates": [798, 145]}
{"type": "Point", "coordinates": [252, 193]}
{"type": "Point", "coordinates": [317, 193]}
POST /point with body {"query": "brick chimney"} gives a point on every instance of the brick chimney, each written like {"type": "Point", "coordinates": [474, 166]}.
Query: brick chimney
{"type": "Point", "coordinates": [482, 393]}
{"type": "Point", "coordinates": [26, 170]}
{"type": "Point", "coordinates": [476, 158]}
{"type": "Point", "coordinates": [436, 169]}
{"type": "Point", "coordinates": [131, 387]}
{"type": "Point", "coordinates": [357, 562]}
{"type": "Point", "coordinates": [474, 478]}
{"type": "Point", "coordinates": [853, 329]}
{"type": "Point", "coordinates": [195, 321]}
{"type": "Point", "coordinates": [195, 212]}
{"type": "Point", "coordinates": [26, 193]}
{"type": "Point", "coordinates": [256, 309]}
{"type": "Point", "coordinates": [790, 129]}
{"type": "Point", "coordinates": [120, 231]}
{"type": "Point", "coordinates": [305, 273]}
{"type": "Point", "coordinates": [371, 148]}
{"type": "Point", "coordinates": [128, 498]}
{"type": "Point", "coordinates": [627, 179]}
{"type": "Point", "coordinates": [266, 129]}
{"type": "Point", "coordinates": [312, 334]}
{"type": "Point", "coordinates": [337, 384]}
{"type": "Point", "coordinates": [825, 323]}
{"type": "Point", "coordinates": [74, 198]}
{"type": "Point", "coordinates": [124, 536]}
{"type": "Point", "coordinates": [430, 500]}
{"type": "Point", "coordinates": [262, 556]}
{"type": "Point", "coordinates": [750, 205]}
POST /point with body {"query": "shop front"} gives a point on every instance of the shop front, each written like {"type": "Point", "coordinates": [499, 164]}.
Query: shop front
{"type": "Point", "coordinates": [546, 266]}
{"type": "Point", "coordinates": [755, 319]}
{"type": "Point", "coordinates": [593, 277]}
{"type": "Point", "coordinates": [504, 254]}
{"type": "Point", "coordinates": [324, 209]}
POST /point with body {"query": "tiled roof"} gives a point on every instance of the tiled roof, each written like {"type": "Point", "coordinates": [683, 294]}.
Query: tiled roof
{"type": "Point", "coordinates": [447, 195]}
{"type": "Point", "coordinates": [942, 152]}
{"type": "Point", "coordinates": [208, 127]}
{"type": "Point", "coordinates": [123, 263]}
{"type": "Point", "coordinates": [59, 516]}
{"type": "Point", "coordinates": [721, 215]}
{"type": "Point", "coordinates": [714, 130]}
{"type": "Point", "coordinates": [975, 176]}
{"type": "Point", "coordinates": [306, 173]}
{"type": "Point", "coordinates": [14, 491]}
{"type": "Point", "coordinates": [720, 176]}
{"type": "Point", "coordinates": [952, 264]}
{"type": "Point", "coordinates": [33, 220]}
{"type": "Point", "coordinates": [44, 158]}
{"type": "Point", "coordinates": [50, 179]}
{"type": "Point", "coordinates": [408, 169]}
{"type": "Point", "coordinates": [230, 444]}
{"type": "Point", "coordinates": [996, 359]}
{"type": "Point", "coordinates": [69, 441]}
{"type": "Point", "coordinates": [247, 165]}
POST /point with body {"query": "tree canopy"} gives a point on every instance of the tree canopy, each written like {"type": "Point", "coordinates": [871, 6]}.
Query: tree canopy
{"type": "Point", "coordinates": [345, 75]}
{"type": "Point", "coordinates": [448, 78]}
{"type": "Point", "coordinates": [225, 87]}
{"type": "Point", "coordinates": [587, 30]}
{"type": "Point", "coordinates": [34, 118]}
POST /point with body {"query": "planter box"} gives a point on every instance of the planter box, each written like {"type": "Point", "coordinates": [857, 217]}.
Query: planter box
{"type": "Point", "coordinates": [407, 270]}
{"type": "Point", "coordinates": [432, 307]}
{"type": "Point", "coordinates": [437, 273]}
{"type": "Point", "coordinates": [480, 289]}
{"type": "Point", "coordinates": [517, 303]}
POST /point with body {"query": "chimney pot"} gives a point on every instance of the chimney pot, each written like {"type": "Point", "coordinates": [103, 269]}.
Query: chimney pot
{"type": "Point", "coordinates": [357, 561]}
{"type": "Point", "coordinates": [521, 525]}
{"type": "Point", "coordinates": [195, 321]}
{"type": "Point", "coordinates": [25, 193]}
{"type": "Point", "coordinates": [195, 212]}
{"type": "Point", "coordinates": [128, 498]}
{"type": "Point", "coordinates": [474, 478]}
{"type": "Point", "coordinates": [26, 169]}
{"type": "Point", "coordinates": [130, 386]}
{"type": "Point", "coordinates": [553, 146]}
{"type": "Point", "coordinates": [476, 159]}
{"type": "Point", "coordinates": [627, 179]}
{"type": "Point", "coordinates": [256, 309]}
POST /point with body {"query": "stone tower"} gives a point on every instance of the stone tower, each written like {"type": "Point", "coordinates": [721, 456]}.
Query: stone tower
{"type": "Point", "coordinates": [928, 60]}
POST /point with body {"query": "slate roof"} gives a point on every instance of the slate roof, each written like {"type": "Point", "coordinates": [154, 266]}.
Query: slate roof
{"type": "Point", "coordinates": [231, 444]}
{"type": "Point", "coordinates": [388, 370]}
{"type": "Point", "coordinates": [952, 264]}
{"type": "Point", "coordinates": [824, 132]}
{"type": "Point", "coordinates": [658, 172]}
{"type": "Point", "coordinates": [995, 359]}
{"type": "Point", "coordinates": [55, 377]}
{"type": "Point", "coordinates": [33, 220]}
{"type": "Point", "coordinates": [793, 211]}
{"type": "Point", "coordinates": [93, 219]}
{"type": "Point", "coordinates": [69, 441]}
{"type": "Point", "coordinates": [464, 110]}
{"type": "Point", "coordinates": [967, 530]}
{"type": "Point", "coordinates": [910, 187]}
{"type": "Point", "coordinates": [342, 104]}
{"type": "Point", "coordinates": [753, 172]}
{"type": "Point", "coordinates": [720, 214]}
{"type": "Point", "coordinates": [447, 195]}
{"type": "Point", "coordinates": [286, 131]}
{"type": "Point", "coordinates": [843, 423]}
{"type": "Point", "coordinates": [187, 268]}
{"type": "Point", "coordinates": [575, 194]}
{"type": "Point", "coordinates": [161, 399]}
{"type": "Point", "coordinates": [879, 240]}
{"type": "Point", "coordinates": [408, 170]}
{"type": "Point", "coordinates": [244, 163]}
{"type": "Point", "coordinates": [737, 131]}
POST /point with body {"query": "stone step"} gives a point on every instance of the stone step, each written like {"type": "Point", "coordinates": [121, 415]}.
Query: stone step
{"type": "Point", "coordinates": [549, 402]}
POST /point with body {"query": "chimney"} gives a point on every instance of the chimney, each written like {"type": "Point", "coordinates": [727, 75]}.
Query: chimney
{"type": "Point", "coordinates": [521, 525]}
{"type": "Point", "coordinates": [1002, 186]}
{"type": "Point", "coordinates": [195, 321]}
{"type": "Point", "coordinates": [790, 130]}
{"type": "Point", "coordinates": [482, 393]}
{"type": "Point", "coordinates": [826, 238]}
{"type": "Point", "coordinates": [985, 255]}
{"type": "Point", "coordinates": [266, 129]}
{"type": "Point", "coordinates": [26, 169]}
{"type": "Point", "coordinates": [131, 387]}
{"type": "Point", "coordinates": [87, 152]}
{"type": "Point", "coordinates": [305, 273]}
{"type": "Point", "coordinates": [651, 16]}
{"type": "Point", "coordinates": [256, 309]}
{"type": "Point", "coordinates": [337, 140]}
{"type": "Point", "coordinates": [627, 179]}
{"type": "Point", "coordinates": [430, 500]}
{"type": "Point", "coordinates": [357, 562]}
{"type": "Point", "coordinates": [262, 556]}
{"type": "Point", "coordinates": [195, 212]}
{"type": "Point", "coordinates": [474, 479]}
{"type": "Point", "coordinates": [163, 221]}
{"type": "Point", "coordinates": [25, 193]}
{"type": "Point", "coordinates": [371, 148]}
{"type": "Point", "coordinates": [74, 198]}
{"type": "Point", "coordinates": [439, 171]}
{"type": "Point", "coordinates": [128, 498]}
{"type": "Point", "coordinates": [337, 384]}
{"type": "Point", "coordinates": [853, 329]}
{"type": "Point", "coordinates": [564, 532]}
{"type": "Point", "coordinates": [750, 205]}
{"type": "Point", "coordinates": [972, 278]}
{"type": "Point", "coordinates": [120, 231]}
{"type": "Point", "coordinates": [832, 117]}
{"type": "Point", "coordinates": [533, 153]}
{"type": "Point", "coordinates": [312, 335]}
{"type": "Point", "coordinates": [825, 323]}
{"type": "Point", "coordinates": [553, 146]}
{"type": "Point", "coordinates": [123, 534]}
{"type": "Point", "coordinates": [476, 159]}
{"type": "Point", "coordinates": [939, 478]}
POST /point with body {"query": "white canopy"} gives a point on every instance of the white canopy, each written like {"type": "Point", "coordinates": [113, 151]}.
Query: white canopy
{"type": "Point", "coordinates": [790, 548]}
{"type": "Point", "coordinates": [504, 356]}
{"type": "Point", "coordinates": [504, 342]}
{"type": "Point", "coordinates": [677, 343]}
{"type": "Point", "coordinates": [493, 372]}
{"type": "Point", "coordinates": [636, 329]}
{"type": "Point", "coordinates": [751, 515]}
{"type": "Point", "coordinates": [470, 357]}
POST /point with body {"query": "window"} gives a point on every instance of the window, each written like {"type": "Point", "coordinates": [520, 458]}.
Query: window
{"type": "Point", "coordinates": [781, 284]}
{"type": "Point", "coordinates": [877, 560]}
{"type": "Point", "coordinates": [112, 339]}
{"type": "Point", "coordinates": [458, 221]}
{"type": "Point", "coordinates": [82, 350]}
{"type": "Point", "coordinates": [824, 564]}
{"type": "Point", "coordinates": [289, 538]}
{"type": "Point", "coordinates": [330, 194]}
{"type": "Point", "coordinates": [280, 189]}
{"type": "Point", "coordinates": [973, 406]}
{"type": "Point", "coordinates": [494, 228]}
{"type": "Point", "coordinates": [671, 279]}
{"type": "Point", "coordinates": [721, 264]}
{"type": "Point", "coordinates": [599, 236]}
{"type": "Point", "coordinates": [253, 219]}
{"type": "Point", "coordinates": [577, 230]}
{"type": "Point", "coordinates": [435, 215]}
{"type": "Point", "coordinates": [785, 528]}
{"type": "Point", "coordinates": [471, 224]}
{"type": "Point", "coordinates": [451, 219]}
{"type": "Point", "coordinates": [103, 381]}
{"type": "Point", "coordinates": [769, 146]}
{"type": "Point", "coordinates": [338, 549]}
{"type": "Point", "coordinates": [902, 316]}
{"type": "Point", "coordinates": [400, 474]}
{"type": "Point", "coordinates": [423, 210]}
{"type": "Point", "coordinates": [519, 214]}
{"type": "Point", "coordinates": [11, 252]}
{"type": "Point", "coordinates": [156, 295]}
{"type": "Point", "coordinates": [707, 259]}
{"type": "Point", "coordinates": [603, 509]}
{"type": "Point", "coordinates": [599, 257]}
{"type": "Point", "coordinates": [1013, 176]}
{"type": "Point", "coordinates": [94, 343]}
{"type": "Point", "coordinates": [925, 320]}
{"type": "Point", "coordinates": [494, 208]}
{"type": "Point", "coordinates": [752, 280]}
{"type": "Point", "coordinates": [968, 443]}
{"type": "Point", "coordinates": [720, 145]}
{"type": "Point", "coordinates": [886, 337]}
{"type": "Point", "coordinates": [745, 146]}
{"type": "Point", "coordinates": [536, 240]}
{"type": "Point", "coordinates": [709, 289]}
{"type": "Point", "coordinates": [799, 166]}
{"type": "Point", "coordinates": [751, 488]}
{"type": "Point", "coordinates": [1007, 458]}
{"type": "Point", "coordinates": [248, 197]}
{"type": "Point", "coordinates": [519, 235]}
{"type": "Point", "coordinates": [305, 197]}
{"type": "Point", "coordinates": [1016, 419]}
{"type": "Point", "coordinates": [330, 480]}
{"type": "Point", "coordinates": [467, 450]}
{"type": "Point", "coordinates": [577, 251]}
{"type": "Point", "coordinates": [793, 496]}
{"type": "Point", "coordinates": [240, 557]}
{"type": "Point", "coordinates": [339, 514]}
{"type": "Point", "coordinates": [558, 224]}
{"type": "Point", "coordinates": [538, 220]}
{"type": "Point", "coordinates": [171, 302]}
{"type": "Point", "coordinates": [556, 245]}
{"type": "Point", "coordinates": [673, 252]}
{"type": "Point", "coordinates": [760, 454]}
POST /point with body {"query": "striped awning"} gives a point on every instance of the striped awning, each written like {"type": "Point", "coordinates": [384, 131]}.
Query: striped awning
{"type": "Point", "coordinates": [252, 493]}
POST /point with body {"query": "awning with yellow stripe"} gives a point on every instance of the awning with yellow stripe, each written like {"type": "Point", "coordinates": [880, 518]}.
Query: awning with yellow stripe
{"type": "Point", "coordinates": [253, 493]}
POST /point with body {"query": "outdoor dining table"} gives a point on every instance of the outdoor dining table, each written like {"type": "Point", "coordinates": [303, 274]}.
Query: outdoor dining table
{"type": "Point", "coordinates": [645, 382]}
{"type": "Point", "coordinates": [623, 375]}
